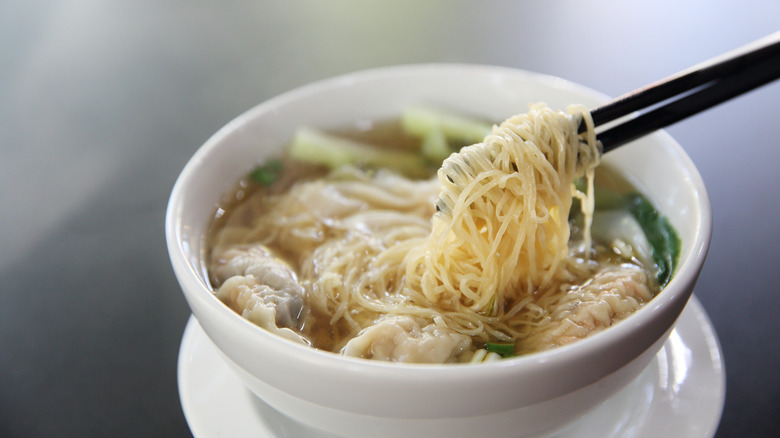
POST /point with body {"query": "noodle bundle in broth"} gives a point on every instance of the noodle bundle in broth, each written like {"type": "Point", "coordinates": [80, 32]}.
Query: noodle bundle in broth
{"type": "Point", "coordinates": [488, 258]}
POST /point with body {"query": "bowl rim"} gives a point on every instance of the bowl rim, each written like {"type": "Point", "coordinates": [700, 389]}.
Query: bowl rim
{"type": "Point", "coordinates": [190, 280]}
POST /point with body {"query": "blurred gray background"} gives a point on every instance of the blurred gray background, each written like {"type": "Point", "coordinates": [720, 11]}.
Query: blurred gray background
{"type": "Point", "coordinates": [103, 102]}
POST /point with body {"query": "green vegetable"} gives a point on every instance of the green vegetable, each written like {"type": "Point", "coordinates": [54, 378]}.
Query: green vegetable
{"type": "Point", "coordinates": [505, 349]}
{"type": "Point", "coordinates": [435, 146]}
{"type": "Point", "coordinates": [318, 147]}
{"type": "Point", "coordinates": [663, 238]}
{"type": "Point", "coordinates": [445, 131]}
{"type": "Point", "coordinates": [266, 174]}
{"type": "Point", "coordinates": [419, 120]}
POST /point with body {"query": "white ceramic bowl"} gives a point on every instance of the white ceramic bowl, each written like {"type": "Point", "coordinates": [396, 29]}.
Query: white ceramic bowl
{"type": "Point", "coordinates": [355, 397]}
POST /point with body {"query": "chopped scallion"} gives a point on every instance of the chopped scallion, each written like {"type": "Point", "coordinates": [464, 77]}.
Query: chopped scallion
{"type": "Point", "coordinates": [505, 349]}
{"type": "Point", "coordinates": [266, 174]}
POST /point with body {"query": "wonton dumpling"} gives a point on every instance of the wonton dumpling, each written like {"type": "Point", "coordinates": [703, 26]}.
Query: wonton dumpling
{"type": "Point", "coordinates": [402, 338]}
{"type": "Point", "coordinates": [262, 288]}
{"type": "Point", "coordinates": [611, 295]}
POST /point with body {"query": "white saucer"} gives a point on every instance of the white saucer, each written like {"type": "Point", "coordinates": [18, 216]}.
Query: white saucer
{"type": "Point", "coordinates": [680, 394]}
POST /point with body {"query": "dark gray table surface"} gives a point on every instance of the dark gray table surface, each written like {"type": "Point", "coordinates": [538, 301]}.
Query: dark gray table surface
{"type": "Point", "coordinates": [102, 103]}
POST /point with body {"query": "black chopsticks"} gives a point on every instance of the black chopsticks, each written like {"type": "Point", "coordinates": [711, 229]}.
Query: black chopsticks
{"type": "Point", "coordinates": [696, 89]}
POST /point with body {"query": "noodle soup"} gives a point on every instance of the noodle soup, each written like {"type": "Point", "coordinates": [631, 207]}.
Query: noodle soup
{"type": "Point", "coordinates": [527, 395]}
{"type": "Point", "coordinates": [382, 258]}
